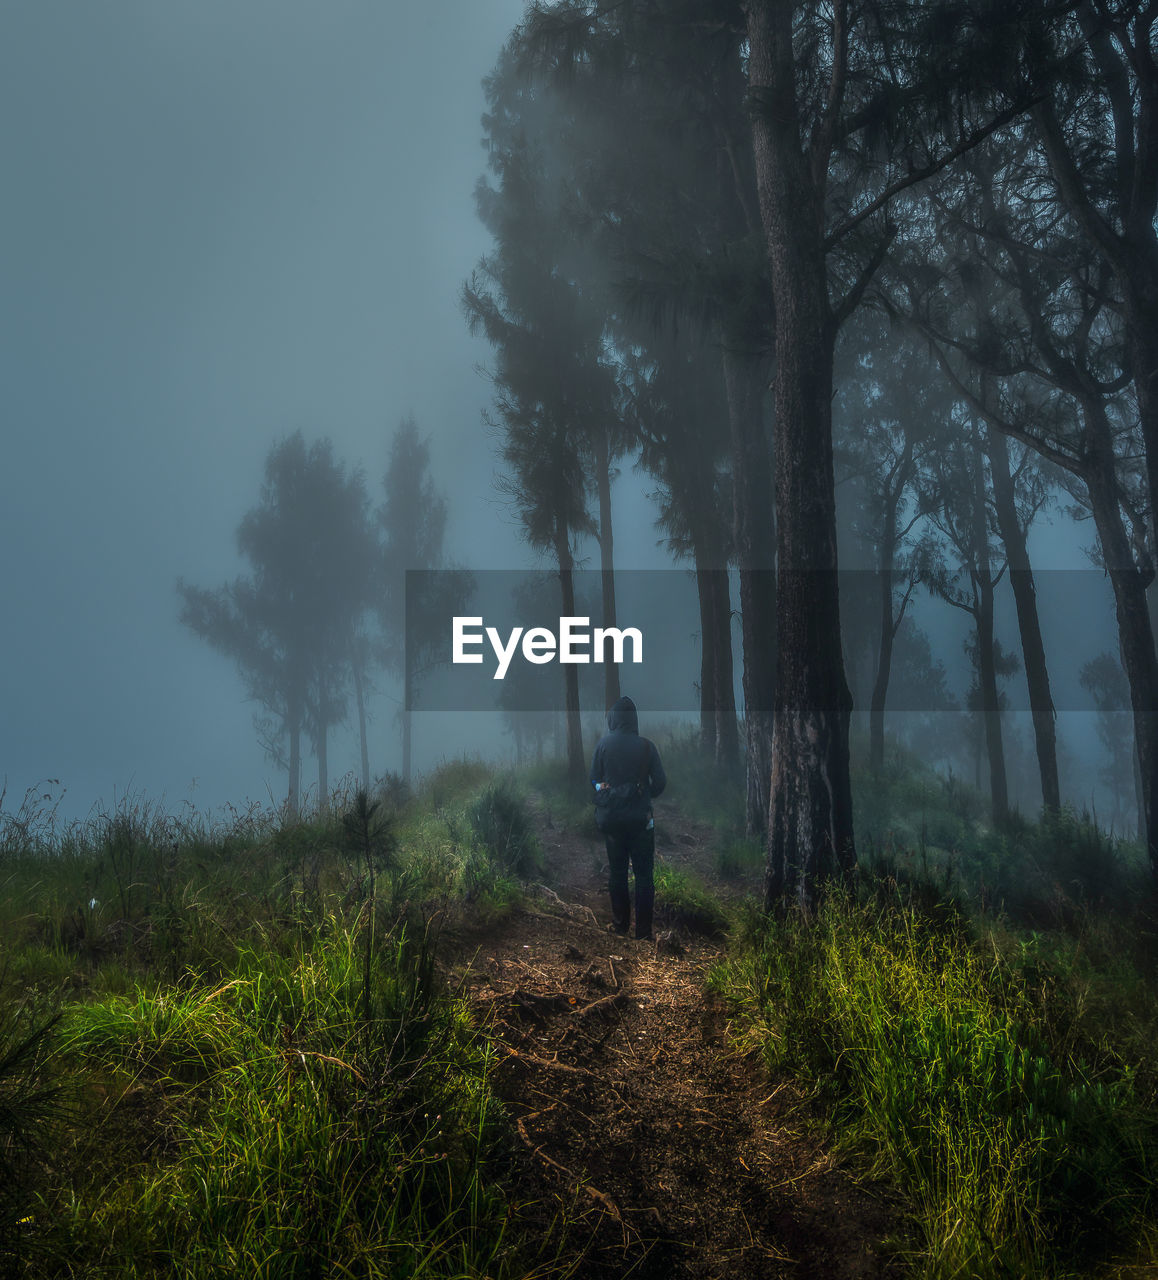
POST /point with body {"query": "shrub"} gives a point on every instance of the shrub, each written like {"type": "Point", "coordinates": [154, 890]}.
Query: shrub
{"type": "Point", "coordinates": [502, 824]}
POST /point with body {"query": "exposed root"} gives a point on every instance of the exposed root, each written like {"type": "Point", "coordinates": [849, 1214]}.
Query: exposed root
{"type": "Point", "coordinates": [601, 1198]}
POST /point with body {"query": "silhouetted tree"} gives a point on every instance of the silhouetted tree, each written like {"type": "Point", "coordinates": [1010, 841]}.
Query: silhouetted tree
{"type": "Point", "coordinates": [1058, 380]}
{"type": "Point", "coordinates": [1106, 682]}
{"type": "Point", "coordinates": [415, 611]}
{"type": "Point", "coordinates": [676, 397]}
{"type": "Point", "coordinates": [891, 410]}
{"type": "Point", "coordinates": [956, 481]}
{"type": "Point", "coordinates": [851, 107]}
{"type": "Point", "coordinates": [669, 197]}
{"type": "Point", "coordinates": [288, 626]}
{"type": "Point", "coordinates": [554, 386]}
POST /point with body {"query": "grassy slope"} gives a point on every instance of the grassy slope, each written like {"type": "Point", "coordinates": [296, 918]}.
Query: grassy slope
{"type": "Point", "coordinates": [224, 1051]}
{"type": "Point", "coordinates": [229, 1085]}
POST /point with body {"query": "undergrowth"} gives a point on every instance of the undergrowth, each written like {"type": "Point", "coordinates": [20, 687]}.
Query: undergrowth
{"type": "Point", "coordinates": [223, 1049]}
{"type": "Point", "coordinates": [283, 1125]}
{"type": "Point", "coordinates": [972, 1067]}
{"type": "Point", "coordinates": [685, 902]}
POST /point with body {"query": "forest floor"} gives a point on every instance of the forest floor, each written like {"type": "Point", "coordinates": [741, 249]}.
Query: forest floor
{"type": "Point", "coordinates": [670, 1154]}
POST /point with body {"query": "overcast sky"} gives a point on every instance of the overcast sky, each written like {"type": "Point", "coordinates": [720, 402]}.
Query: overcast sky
{"type": "Point", "coordinates": [222, 222]}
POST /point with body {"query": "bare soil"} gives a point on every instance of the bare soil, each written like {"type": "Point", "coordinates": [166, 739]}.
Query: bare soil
{"type": "Point", "coordinates": [670, 1154]}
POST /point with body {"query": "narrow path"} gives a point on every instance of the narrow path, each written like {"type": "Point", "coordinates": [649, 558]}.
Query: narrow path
{"type": "Point", "coordinates": [682, 1159]}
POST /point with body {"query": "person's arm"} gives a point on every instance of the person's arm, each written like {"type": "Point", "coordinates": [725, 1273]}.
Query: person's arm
{"type": "Point", "coordinates": [597, 764]}
{"type": "Point", "coordinates": [658, 777]}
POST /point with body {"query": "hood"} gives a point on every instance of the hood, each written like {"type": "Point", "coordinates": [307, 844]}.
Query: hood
{"type": "Point", "coordinates": [622, 717]}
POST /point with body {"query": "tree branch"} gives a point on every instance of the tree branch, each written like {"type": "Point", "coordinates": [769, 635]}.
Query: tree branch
{"type": "Point", "coordinates": [851, 300]}
{"type": "Point", "coordinates": [925, 171]}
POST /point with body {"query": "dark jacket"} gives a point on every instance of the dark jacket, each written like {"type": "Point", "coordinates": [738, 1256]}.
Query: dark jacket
{"type": "Point", "coordinates": [619, 757]}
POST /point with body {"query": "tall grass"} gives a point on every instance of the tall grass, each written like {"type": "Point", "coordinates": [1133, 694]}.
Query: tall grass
{"type": "Point", "coordinates": [292, 1134]}
{"type": "Point", "coordinates": [1022, 1140]}
{"type": "Point", "coordinates": [32, 1106]}
{"type": "Point", "coordinates": [268, 1077]}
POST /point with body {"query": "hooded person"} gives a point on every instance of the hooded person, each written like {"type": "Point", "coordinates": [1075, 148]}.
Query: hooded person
{"type": "Point", "coordinates": [627, 773]}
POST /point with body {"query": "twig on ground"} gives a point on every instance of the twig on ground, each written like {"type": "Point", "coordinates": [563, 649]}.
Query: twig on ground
{"type": "Point", "coordinates": [605, 1004]}
{"type": "Point", "coordinates": [600, 1197]}
{"type": "Point", "coordinates": [553, 1065]}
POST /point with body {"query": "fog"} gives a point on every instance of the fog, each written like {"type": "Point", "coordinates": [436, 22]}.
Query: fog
{"type": "Point", "coordinates": [225, 224]}
{"type": "Point", "coordinates": [222, 223]}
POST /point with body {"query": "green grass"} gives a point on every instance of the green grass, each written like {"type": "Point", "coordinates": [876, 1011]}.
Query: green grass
{"type": "Point", "coordinates": [566, 806]}
{"type": "Point", "coordinates": [289, 1133]}
{"type": "Point", "coordinates": [682, 900]}
{"type": "Point", "coordinates": [978, 1081]}
{"type": "Point", "coordinates": [254, 1070]}
{"type": "Point", "coordinates": [263, 1074]}
{"type": "Point", "coordinates": [503, 827]}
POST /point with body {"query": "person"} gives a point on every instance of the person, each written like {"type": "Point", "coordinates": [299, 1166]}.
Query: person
{"type": "Point", "coordinates": [626, 774]}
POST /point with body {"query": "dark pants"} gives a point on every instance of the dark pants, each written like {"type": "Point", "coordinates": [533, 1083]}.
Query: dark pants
{"type": "Point", "coordinates": [638, 849]}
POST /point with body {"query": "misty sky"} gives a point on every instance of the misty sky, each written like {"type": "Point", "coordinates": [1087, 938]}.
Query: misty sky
{"type": "Point", "coordinates": [223, 222]}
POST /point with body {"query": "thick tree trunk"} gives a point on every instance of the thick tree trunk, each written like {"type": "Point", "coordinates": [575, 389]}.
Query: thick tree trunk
{"type": "Point", "coordinates": [753, 535]}
{"type": "Point", "coordinates": [1142, 351]}
{"type": "Point", "coordinates": [606, 560]}
{"type": "Point", "coordinates": [576, 764]}
{"type": "Point", "coordinates": [1028, 622]}
{"type": "Point", "coordinates": [986, 645]}
{"type": "Point", "coordinates": [810, 833]}
{"type": "Point", "coordinates": [323, 770]}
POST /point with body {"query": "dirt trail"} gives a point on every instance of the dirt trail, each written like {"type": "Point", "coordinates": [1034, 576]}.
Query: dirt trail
{"type": "Point", "coordinates": [684, 1160]}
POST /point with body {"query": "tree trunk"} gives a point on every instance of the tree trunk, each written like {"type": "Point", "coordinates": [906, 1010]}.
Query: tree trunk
{"type": "Point", "coordinates": [407, 747]}
{"type": "Point", "coordinates": [810, 831]}
{"type": "Point", "coordinates": [885, 653]}
{"type": "Point", "coordinates": [606, 560]}
{"type": "Point", "coordinates": [990, 700]}
{"type": "Point", "coordinates": [576, 764]}
{"type": "Point", "coordinates": [407, 722]}
{"type": "Point", "coordinates": [986, 646]}
{"type": "Point", "coordinates": [1135, 636]}
{"type": "Point", "coordinates": [360, 698]}
{"type": "Point", "coordinates": [323, 771]}
{"type": "Point", "coordinates": [745, 375]}
{"type": "Point", "coordinates": [705, 591]}
{"type": "Point", "coordinates": [1028, 623]}
{"type": "Point", "coordinates": [719, 735]}
{"type": "Point", "coordinates": [295, 767]}
{"type": "Point", "coordinates": [727, 731]}
{"type": "Point", "coordinates": [1141, 298]}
